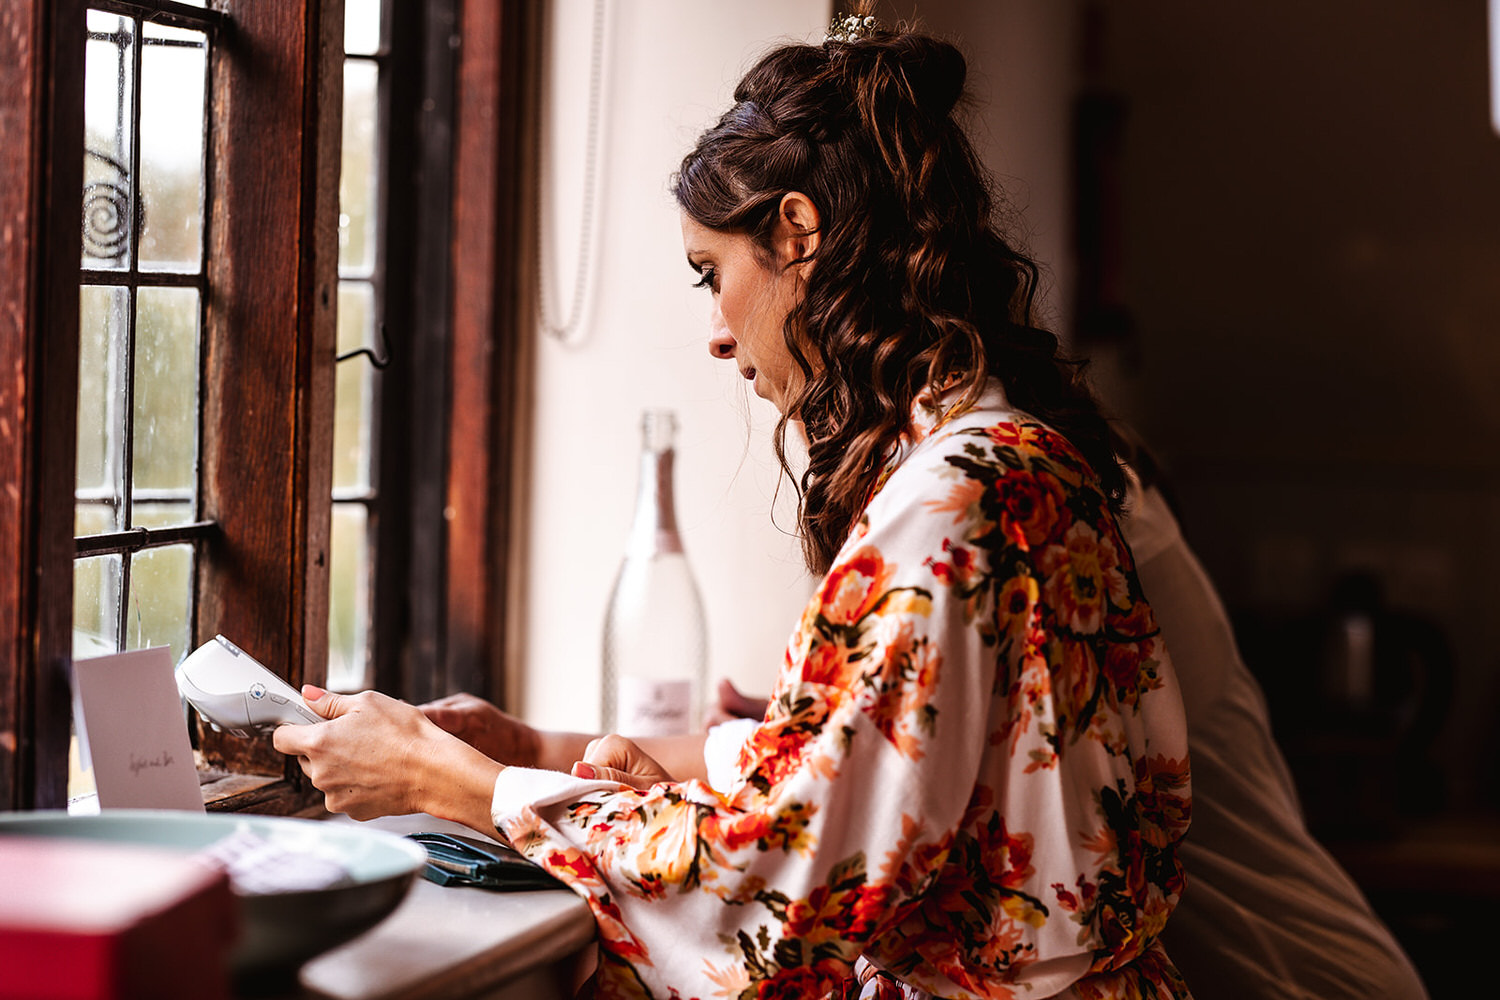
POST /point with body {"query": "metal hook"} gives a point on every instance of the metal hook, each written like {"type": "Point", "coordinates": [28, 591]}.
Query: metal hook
{"type": "Point", "coordinates": [377, 361]}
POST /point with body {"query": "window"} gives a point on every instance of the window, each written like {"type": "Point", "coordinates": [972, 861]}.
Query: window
{"type": "Point", "coordinates": [431, 276]}
{"type": "Point", "coordinates": [169, 448]}
{"type": "Point", "coordinates": [364, 349]}
{"type": "Point", "coordinates": [142, 288]}
{"type": "Point", "coordinates": [169, 380]}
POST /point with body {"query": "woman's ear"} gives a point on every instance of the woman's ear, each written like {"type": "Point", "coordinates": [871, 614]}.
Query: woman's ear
{"type": "Point", "coordinates": [798, 231]}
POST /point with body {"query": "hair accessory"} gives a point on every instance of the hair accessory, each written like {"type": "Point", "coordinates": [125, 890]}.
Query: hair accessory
{"type": "Point", "coordinates": [852, 28]}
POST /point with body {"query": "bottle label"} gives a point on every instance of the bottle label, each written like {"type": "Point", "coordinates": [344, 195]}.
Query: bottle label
{"type": "Point", "coordinates": [654, 708]}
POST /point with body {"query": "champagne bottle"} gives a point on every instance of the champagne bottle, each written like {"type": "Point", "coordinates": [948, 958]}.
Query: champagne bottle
{"type": "Point", "coordinates": [655, 649]}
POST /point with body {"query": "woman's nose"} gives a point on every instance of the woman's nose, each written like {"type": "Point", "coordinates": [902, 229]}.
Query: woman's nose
{"type": "Point", "coordinates": [720, 341]}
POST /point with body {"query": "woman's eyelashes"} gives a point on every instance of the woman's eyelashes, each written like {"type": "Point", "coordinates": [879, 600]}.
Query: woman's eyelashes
{"type": "Point", "coordinates": [708, 278]}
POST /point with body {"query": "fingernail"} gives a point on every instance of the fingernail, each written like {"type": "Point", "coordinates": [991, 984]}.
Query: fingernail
{"type": "Point", "coordinates": [582, 770]}
{"type": "Point", "coordinates": [312, 692]}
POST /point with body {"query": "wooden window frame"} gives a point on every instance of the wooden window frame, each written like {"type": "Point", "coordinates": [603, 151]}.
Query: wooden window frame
{"type": "Point", "coordinates": [447, 610]}
{"type": "Point", "coordinates": [491, 354]}
{"type": "Point", "coordinates": [270, 339]}
{"type": "Point", "coordinates": [269, 342]}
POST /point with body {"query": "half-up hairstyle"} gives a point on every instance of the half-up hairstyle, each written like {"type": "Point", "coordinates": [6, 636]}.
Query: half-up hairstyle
{"type": "Point", "coordinates": [912, 287]}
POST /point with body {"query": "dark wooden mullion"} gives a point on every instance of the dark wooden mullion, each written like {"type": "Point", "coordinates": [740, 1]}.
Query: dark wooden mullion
{"type": "Point", "coordinates": [205, 237]}
{"type": "Point", "coordinates": [409, 608]}
{"type": "Point", "coordinates": [270, 345]}
{"type": "Point", "coordinates": [139, 539]}
{"type": "Point", "coordinates": [41, 108]}
{"type": "Point", "coordinates": [166, 12]}
{"type": "Point", "coordinates": [133, 261]}
{"type": "Point", "coordinates": [144, 279]}
{"type": "Point", "coordinates": [489, 354]}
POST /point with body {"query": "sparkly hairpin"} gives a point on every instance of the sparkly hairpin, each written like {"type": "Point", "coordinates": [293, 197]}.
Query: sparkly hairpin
{"type": "Point", "coordinates": [852, 28]}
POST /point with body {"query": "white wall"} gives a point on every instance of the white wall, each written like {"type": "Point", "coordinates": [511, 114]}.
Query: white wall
{"type": "Point", "coordinates": [672, 69]}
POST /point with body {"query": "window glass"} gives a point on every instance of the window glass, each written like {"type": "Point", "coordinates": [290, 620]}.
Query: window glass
{"type": "Point", "coordinates": [96, 599]}
{"type": "Point", "coordinates": [103, 312]}
{"type": "Point", "coordinates": [349, 598]}
{"type": "Point", "coordinates": [165, 425]}
{"type": "Point", "coordinates": [361, 27]}
{"type": "Point", "coordinates": [108, 109]}
{"type": "Point", "coordinates": [96, 604]}
{"type": "Point", "coordinates": [160, 607]}
{"type": "Point", "coordinates": [173, 63]}
{"type": "Point", "coordinates": [358, 175]}
{"type": "Point", "coordinates": [361, 229]}
{"type": "Point", "coordinates": [352, 399]}
{"type": "Point", "coordinates": [140, 306]}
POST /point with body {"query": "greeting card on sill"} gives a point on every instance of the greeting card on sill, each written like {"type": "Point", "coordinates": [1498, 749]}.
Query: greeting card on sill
{"type": "Point", "coordinates": [130, 718]}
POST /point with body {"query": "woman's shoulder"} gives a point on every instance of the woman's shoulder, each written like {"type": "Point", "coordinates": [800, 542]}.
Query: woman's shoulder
{"type": "Point", "coordinates": [985, 469]}
{"type": "Point", "coordinates": [990, 442]}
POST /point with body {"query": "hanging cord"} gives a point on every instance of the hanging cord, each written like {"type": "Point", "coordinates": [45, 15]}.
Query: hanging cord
{"type": "Point", "coordinates": [564, 332]}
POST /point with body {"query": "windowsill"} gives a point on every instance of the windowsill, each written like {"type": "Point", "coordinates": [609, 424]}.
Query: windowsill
{"type": "Point", "coordinates": [225, 792]}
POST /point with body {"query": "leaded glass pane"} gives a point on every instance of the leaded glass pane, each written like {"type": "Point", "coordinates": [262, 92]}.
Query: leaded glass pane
{"type": "Point", "coordinates": [354, 390]}
{"type": "Point", "coordinates": [108, 107]}
{"type": "Point", "coordinates": [361, 27]}
{"type": "Point", "coordinates": [166, 390]}
{"type": "Point", "coordinates": [102, 323]}
{"type": "Point", "coordinates": [173, 63]}
{"type": "Point", "coordinates": [358, 173]}
{"type": "Point", "coordinates": [348, 598]}
{"type": "Point", "coordinates": [96, 605]}
{"type": "Point", "coordinates": [160, 609]}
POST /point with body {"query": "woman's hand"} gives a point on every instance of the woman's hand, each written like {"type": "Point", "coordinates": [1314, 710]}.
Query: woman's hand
{"type": "Point", "coordinates": [734, 705]}
{"type": "Point", "coordinates": [615, 758]}
{"type": "Point", "coordinates": [376, 756]}
{"type": "Point", "coordinates": [484, 727]}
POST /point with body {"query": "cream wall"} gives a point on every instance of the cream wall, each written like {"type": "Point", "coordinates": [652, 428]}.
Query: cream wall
{"type": "Point", "coordinates": [671, 70]}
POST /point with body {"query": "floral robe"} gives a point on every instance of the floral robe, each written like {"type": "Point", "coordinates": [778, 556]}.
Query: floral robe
{"type": "Point", "coordinates": [972, 772]}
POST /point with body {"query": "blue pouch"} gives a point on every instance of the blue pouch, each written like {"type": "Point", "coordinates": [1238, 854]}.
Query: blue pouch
{"type": "Point", "coordinates": [458, 860]}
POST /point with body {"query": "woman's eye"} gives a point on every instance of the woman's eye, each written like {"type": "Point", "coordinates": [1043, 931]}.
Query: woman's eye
{"type": "Point", "coordinates": [707, 278]}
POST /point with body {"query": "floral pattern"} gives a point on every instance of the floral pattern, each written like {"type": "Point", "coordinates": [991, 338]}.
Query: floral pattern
{"type": "Point", "coordinates": [971, 779]}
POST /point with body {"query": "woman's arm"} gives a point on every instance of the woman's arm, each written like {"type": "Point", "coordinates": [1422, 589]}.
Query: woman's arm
{"type": "Point", "coordinates": [505, 738]}
{"type": "Point", "coordinates": [376, 756]}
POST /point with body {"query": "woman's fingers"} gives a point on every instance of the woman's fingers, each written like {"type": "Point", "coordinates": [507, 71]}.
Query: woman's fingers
{"type": "Point", "coordinates": [615, 758]}
{"type": "Point", "coordinates": [598, 772]}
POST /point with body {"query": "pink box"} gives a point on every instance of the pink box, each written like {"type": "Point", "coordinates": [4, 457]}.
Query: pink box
{"type": "Point", "coordinates": [85, 920]}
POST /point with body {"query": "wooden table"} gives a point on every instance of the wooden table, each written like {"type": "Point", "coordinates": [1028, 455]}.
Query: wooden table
{"type": "Point", "coordinates": [459, 943]}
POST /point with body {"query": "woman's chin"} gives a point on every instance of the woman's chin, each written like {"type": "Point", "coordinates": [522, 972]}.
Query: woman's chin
{"type": "Point", "coordinates": [769, 394]}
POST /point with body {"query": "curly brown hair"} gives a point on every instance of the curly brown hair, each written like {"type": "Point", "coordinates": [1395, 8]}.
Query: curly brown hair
{"type": "Point", "coordinates": [913, 285]}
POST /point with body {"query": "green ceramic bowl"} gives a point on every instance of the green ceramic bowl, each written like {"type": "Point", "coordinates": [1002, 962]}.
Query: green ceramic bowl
{"type": "Point", "coordinates": [281, 931]}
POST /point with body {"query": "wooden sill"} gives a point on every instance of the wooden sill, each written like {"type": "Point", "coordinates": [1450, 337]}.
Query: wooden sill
{"type": "Point", "coordinates": [224, 791]}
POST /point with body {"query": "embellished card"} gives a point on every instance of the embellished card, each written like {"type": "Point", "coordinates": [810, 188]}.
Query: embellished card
{"type": "Point", "coordinates": [134, 728]}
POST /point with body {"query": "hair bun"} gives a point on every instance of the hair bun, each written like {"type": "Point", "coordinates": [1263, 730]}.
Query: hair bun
{"type": "Point", "coordinates": [927, 73]}
{"type": "Point", "coordinates": [935, 71]}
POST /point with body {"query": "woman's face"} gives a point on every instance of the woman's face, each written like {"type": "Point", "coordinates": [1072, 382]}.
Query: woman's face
{"type": "Point", "coordinates": [751, 298]}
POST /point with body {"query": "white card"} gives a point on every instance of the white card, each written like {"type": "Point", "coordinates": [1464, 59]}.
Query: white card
{"type": "Point", "coordinates": [136, 728]}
